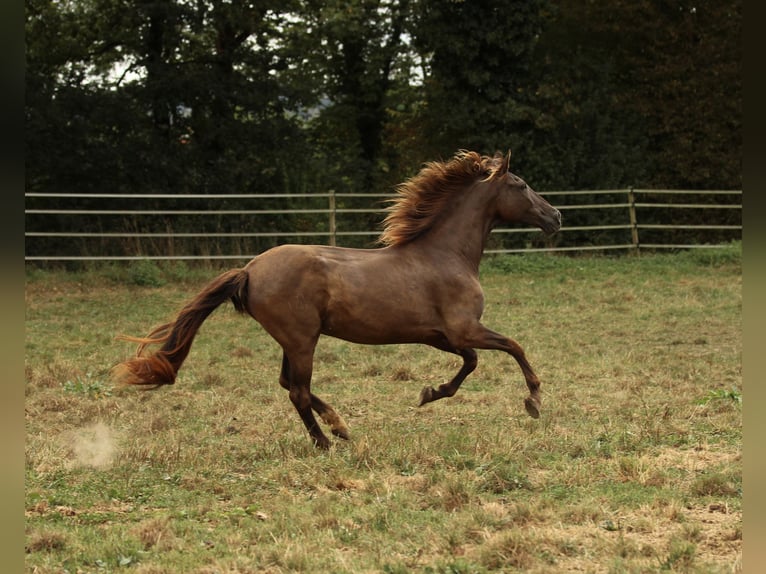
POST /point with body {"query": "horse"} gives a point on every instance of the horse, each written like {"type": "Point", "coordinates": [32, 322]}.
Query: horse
{"type": "Point", "coordinates": [419, 285]}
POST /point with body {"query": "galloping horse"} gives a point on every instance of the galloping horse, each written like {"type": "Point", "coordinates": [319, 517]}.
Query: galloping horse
{"type": "Point", "coordinates": [421, 286]}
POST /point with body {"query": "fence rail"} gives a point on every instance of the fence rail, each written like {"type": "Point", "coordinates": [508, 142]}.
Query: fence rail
{"type": "Point", "coordinates": [633, 212]}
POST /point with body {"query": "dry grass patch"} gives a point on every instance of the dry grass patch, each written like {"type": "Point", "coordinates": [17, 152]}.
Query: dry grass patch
{"type": "Point", "coordinates": [634, 465]}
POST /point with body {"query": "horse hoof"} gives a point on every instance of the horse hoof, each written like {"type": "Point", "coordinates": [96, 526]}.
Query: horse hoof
{"type": "Point", "coordinates": [426, 396]}
{"type": "Point", "coordinates": [533, 407]}
{"type": "Point", "coordinates": [322, 444]}
{"type": "Point", "coordinates": [341, 433]}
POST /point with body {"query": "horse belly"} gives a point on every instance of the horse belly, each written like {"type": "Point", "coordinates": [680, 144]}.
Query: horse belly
{"type": "Point", "coordinates": [378, 316]}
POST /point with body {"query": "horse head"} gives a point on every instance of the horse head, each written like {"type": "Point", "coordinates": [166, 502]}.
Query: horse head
{"type": "Point", "coordinates": [519, 203]}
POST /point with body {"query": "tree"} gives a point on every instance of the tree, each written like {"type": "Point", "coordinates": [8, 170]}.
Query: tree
{"type": "Point", "coordinates": [479, 71]}
{"type": "Point", "coordinates": [688, 87]}
{"type": "Point", "coordinates": [631, 93]}
{"type": "Point", "coordinates": [156, 94]}
{"type": "Point", "coordinates": [172, 96]}
{"type": "Point", "coordinates": [586, 135]}
{"type": "Point", "coordinates": [347, 53]}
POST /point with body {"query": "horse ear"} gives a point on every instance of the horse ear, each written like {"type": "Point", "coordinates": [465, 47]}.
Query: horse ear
{"type": "Point", "coordinates": [504, 165]}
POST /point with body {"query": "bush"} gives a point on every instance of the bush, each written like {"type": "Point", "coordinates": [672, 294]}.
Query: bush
{"type": "Point", "coordinates": [145, 273]}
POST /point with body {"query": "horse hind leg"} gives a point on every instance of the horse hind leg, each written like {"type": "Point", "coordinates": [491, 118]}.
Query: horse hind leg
{"type": "Point", "coordinates": [325, 411]}
{"type": "Point", "coordinates": [338, 426]}
{"type": "Point", "coordinates": [470, 360]}
{"type": "Point", "coordinates": [300, 395]}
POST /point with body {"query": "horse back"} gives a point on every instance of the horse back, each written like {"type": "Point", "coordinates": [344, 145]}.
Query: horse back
{"type": "Point", "coordinates": [371, 296]}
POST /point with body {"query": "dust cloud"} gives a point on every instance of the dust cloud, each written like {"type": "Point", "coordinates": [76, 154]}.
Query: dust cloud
{"type": "Point", "coordinates": [93, 446]}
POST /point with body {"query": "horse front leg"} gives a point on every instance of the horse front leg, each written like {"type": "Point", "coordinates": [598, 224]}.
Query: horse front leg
{"type": "Point", "coordinates": [483, 338]}
{"type": "Point", "coordinates": [326, 412]}
{"type": "Point", "coordinates": [477, 336]}
{"type": "Point", "coordinates": [470, 360]}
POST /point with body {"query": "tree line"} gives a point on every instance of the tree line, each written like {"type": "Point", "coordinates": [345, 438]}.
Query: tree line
{"type": "Point", "coordinates": [306, 96]}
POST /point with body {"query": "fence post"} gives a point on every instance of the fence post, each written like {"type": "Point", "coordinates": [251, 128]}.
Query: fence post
{"type": "Point", "coordinates": [633, 220]}
{"type": "Point", "coordinates": [332, 218]}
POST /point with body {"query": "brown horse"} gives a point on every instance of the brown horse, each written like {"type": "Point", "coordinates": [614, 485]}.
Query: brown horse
{"type": "Point", "coordinates": [422, 286]}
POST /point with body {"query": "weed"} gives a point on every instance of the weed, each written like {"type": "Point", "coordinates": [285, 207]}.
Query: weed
{"type": "Point", "coordinates": [396, 568]}
{"type": "Point", "coordinates": [716, 483]}
{"type": "Point", "coordinates": [508, 549]}
{"type": "Point", "coordinates": [733, 395]}
{"type": "Point", "coordinates": [681, 556]}
{"type": "Point", "coordinates": [88, 385]}
{"type": "Point", "coordinates": [145, 273]}
{"type": "Point", "coordinates": [501, 476]}
{"type": "Point", "coordinates": [458, 566]}
{"type": "Point", "coordinates": [46, 542]}
{"type": "Point", "coordinates": [715, 257]}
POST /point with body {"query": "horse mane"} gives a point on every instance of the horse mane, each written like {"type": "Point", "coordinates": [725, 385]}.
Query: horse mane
{"type": "Point", "coordinates": [421, 199]}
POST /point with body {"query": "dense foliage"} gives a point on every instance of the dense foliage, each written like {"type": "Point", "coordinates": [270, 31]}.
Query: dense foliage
{"type": "Point", "coordinates": [304, 96]}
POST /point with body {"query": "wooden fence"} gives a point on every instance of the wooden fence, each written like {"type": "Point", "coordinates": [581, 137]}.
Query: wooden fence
{"type": "Point", "coordinates": [100, 226]}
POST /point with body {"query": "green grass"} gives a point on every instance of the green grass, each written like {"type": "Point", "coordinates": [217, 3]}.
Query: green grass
{"type": "Point", "coordinates": [634, 466]}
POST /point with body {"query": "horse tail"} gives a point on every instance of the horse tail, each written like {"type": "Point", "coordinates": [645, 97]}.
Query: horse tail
{"type": "Point", "coordinates": [176, 337]}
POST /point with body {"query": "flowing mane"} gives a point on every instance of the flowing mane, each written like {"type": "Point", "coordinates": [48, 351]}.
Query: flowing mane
{"type": "Point", "coordinates": [421, 199]}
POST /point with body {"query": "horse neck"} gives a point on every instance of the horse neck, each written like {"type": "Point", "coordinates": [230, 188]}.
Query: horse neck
{"type": "Point", "coordinates": [464, 228]}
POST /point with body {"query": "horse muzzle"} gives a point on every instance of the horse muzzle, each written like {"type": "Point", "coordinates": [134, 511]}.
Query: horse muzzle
{"type": "Point", "coordinates": [550, 223]}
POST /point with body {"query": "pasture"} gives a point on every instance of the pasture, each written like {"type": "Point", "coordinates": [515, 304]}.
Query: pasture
{"type": "Point", "coordinates": [633, 466]}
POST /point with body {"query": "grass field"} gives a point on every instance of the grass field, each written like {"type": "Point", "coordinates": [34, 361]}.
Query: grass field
{"type": "Point", "coordinates": [634, 465]}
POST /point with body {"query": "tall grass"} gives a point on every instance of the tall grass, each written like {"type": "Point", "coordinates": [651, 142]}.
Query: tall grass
{"type": "Point", "coordinates": [634, 465]}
